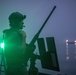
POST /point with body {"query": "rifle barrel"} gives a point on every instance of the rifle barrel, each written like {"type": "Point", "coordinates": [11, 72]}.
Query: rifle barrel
{"type": "Point", "coordinates": [37, 35]}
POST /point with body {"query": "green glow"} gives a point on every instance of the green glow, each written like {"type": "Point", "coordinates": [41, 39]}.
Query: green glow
{"type": "Point", "coordinates": [2, 45]}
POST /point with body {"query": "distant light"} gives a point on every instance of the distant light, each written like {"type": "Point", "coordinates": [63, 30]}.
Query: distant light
{"type": "Point", "coordinates": [75, 42]}
{"type": "Point", "coordinates": [66, 41]}
{"type": "Point", "coordinates": [67, 48]}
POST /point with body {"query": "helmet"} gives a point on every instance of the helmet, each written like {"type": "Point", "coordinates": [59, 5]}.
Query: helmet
{"type": "Point", "coordinates": [16, 16]}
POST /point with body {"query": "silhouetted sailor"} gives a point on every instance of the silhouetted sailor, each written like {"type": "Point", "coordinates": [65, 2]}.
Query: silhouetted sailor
{"type": "Point", "coordinates": [15, 40]}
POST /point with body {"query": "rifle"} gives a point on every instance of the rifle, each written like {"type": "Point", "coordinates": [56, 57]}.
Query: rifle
{"type": "Point", "coordinates": [31, 47]}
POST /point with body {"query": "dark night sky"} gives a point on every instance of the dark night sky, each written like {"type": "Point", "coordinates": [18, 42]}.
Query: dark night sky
{"type": "Point", "coordinates": [61, 26]}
